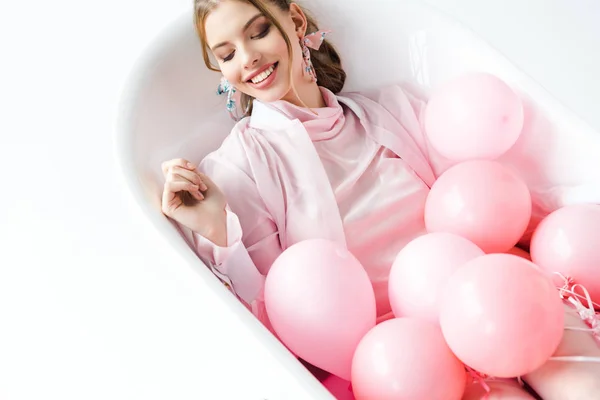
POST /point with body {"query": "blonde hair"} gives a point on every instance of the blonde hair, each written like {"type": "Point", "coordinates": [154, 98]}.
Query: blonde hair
{"type": "Point", "coordinates": [326, 60]}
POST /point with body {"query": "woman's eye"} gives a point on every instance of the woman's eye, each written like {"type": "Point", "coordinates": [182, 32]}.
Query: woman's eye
{"type": "Point", "coordinates": [263, 32]}
{"type": "Point", "coordinates": [229, 57]}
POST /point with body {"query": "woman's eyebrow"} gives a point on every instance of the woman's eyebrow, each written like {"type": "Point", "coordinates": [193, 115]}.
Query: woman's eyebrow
{"type": "Point", "coordinates": [246, 26]}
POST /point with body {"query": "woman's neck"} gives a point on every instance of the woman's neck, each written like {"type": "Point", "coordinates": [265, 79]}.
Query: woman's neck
{"type": "Point", "coordinates": [309, 95]}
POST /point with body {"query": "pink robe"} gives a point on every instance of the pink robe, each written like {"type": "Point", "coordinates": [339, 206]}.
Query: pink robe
{"type": "Point", "coordinates": [380, 199]}
{"type": "Point", "coordinates": [356, 174]}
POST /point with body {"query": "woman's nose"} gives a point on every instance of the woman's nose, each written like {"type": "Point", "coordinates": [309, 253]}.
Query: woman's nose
{"type": "Point", "coordinates": [251, 58]}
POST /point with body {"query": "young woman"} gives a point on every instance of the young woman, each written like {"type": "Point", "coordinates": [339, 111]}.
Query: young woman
{"type": "Point", "coordinates": [306, 162]}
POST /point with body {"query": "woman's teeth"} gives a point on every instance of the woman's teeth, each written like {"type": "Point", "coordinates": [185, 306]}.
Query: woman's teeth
{"type": "Point", "coordinates": [263, 75]}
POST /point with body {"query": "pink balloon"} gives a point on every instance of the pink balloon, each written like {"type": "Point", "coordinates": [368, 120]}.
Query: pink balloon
{"type": "Point", "coordinates": [499, 390]}
{"type": "Point", "coordinates": [320, 302]}
{"type": "Point", "coordinates": [519, 252]}
{"type": "Point", "coordinates": [339, 388]}
{"type": "Point", "coordinates": [482, 201]}
{"type": "Point", "coordinates": [567, 241]}
{"type": "Point", "coordinates": [476, 116]}
{"type": "Point", "coordinates": [422, 269]}
{"type": "Point", "coordinates": [406, 358]}
{"type": "Point", "coordinates": [501, 315]}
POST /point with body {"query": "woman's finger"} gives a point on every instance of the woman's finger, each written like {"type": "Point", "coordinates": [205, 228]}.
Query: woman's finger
{"type": "Point", "coordinates": [191, 176]}
{"type": "Point", "coordinates": [179, 162]}
{"type": "Point", "coordinates": [170, 202]}
{"type": "Point", "coordinates": [206, 180]}
{"type": "Point", "coordinates": [184, 186]}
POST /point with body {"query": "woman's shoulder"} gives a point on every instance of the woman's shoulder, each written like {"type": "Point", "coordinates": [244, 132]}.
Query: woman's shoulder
{"type": "Point", "coordinates": [388, 95]}
{"type": "Point", "coordinates": [253, 134]}
{"type": "Point", "coordinates": [402, 102]}
{"type": "Point", "coordinates": [232, 150]}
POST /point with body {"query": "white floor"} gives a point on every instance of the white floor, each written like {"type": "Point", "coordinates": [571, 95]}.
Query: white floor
{"type": "Point", "coordinates": [93, 305]}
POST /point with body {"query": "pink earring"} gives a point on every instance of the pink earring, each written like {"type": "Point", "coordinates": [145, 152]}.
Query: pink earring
{"type": "Point", "coordinates": [312, 41]}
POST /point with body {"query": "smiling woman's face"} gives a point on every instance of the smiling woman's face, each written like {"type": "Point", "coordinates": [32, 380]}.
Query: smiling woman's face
{"type": "Point", "coordinates": [251, 52]}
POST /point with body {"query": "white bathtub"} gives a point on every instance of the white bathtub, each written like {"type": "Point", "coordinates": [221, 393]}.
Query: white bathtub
{"type": "Point", "coordinates": [170, 108]}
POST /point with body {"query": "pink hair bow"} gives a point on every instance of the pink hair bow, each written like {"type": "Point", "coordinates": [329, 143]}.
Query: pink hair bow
{"type": "Point", "coordinates": [315, 39]}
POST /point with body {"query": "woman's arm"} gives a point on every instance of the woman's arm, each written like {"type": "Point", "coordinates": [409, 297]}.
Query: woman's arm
{"type": "Point", "coordinates": [244, 247]}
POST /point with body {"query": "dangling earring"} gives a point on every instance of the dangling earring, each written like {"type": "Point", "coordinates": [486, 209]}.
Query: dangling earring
{"type": "Point", "coordinates": [233, 97]}
{"type": "Point", "coordinates": [313, 41]}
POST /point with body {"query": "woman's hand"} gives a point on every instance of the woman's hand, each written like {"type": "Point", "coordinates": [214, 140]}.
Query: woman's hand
{"type": "Point", "coordinates": [193, 200]}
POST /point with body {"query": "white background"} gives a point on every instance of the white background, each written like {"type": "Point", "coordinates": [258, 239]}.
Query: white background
{"type": "Point", "coordinates": [93, 305]}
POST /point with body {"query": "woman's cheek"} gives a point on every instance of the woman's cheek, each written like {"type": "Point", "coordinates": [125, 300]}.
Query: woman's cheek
{"type": "Point", "coordinates": [230, 74]}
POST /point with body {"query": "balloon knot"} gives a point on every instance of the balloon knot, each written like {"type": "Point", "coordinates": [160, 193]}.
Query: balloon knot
{"type": "Point", "coordinates": [568, 292]}
{"type": "Point", "coordinates": [480, 378]}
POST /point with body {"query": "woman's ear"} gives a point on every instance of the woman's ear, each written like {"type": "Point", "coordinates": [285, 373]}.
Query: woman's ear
{"type": "Point", "coordinates": [299, 20]}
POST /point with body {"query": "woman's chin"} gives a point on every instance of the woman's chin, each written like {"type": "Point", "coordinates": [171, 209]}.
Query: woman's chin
{"type": "Point", "coordinates": [270, 95]}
